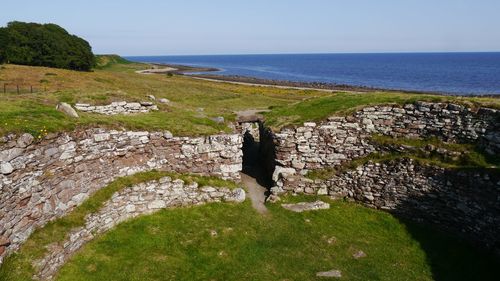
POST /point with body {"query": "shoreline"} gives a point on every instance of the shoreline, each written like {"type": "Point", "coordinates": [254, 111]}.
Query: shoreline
{"type": "Point", "coordinates": [186, 71]}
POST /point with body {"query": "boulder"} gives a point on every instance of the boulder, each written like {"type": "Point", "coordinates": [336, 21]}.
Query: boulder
{"type": "Point", "coordinates": [306, 206]}
{"type": "Point", "coordinates": [67, 109]}
{"type": "Point", "coordinates": [164, 100]}
{"type": "Point", "coordinates": [167, 135]}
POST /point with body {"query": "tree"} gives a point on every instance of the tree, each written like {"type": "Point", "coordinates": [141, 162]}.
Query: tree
{"type": "Point", "coordinates": [44, 45]}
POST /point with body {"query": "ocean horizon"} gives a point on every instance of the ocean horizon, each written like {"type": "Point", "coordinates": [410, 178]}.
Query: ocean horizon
{"type": "Point", "coordinates": [458, 73]}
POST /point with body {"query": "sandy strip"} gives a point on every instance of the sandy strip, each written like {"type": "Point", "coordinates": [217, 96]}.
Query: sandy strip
{"type": "Point", "coordinates": [157, 70]}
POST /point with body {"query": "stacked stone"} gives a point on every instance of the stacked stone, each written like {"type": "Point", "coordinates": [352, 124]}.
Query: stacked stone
{"type": "Point", "coordinates": [121, 107]}
{"type": "Point", "coordinates": [343, 139]}
{"type": "Point", "coordinates": [44, 180]}
{"type": "Point", "coordinates": [144, 198]}
{"type": "Point", "coordinates": [466, 202]}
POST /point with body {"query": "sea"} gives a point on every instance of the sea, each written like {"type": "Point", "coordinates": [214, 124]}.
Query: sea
{"type": "Point", "coordinates": [446, 73]}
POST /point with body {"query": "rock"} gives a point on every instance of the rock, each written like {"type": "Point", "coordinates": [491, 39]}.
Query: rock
{"type": "Point", "coordinates": [330, 274]}
{"type": "Point", "coordinates": [25, 140]}
{"type": "Point", "coordinates": [231, 168]}
{"type": "Point", "coordinates": [67, 109]}
{"type": "Point", "coordinates": [132, 105]}
{"type": "Point", "coordinates": [4, 241]}
{"type": "Point", "coordinates": [218, 119]}
{"type": "Point", "coordinates": [10, 154]}
{"type": "Point", "coordinates": [306, 206]}
{"type": "Point", "coordinates": [146, 103]}
{"type": "Point", "coordinates": [157, 204]}
{"type": "Point", "coordinates": [238, 195]}
{"type": "Point", "coordinates": [151, 97]}
{"type": "Point", "coordinates": [163, 100]}
{"type": "Point", "coordinates": [331, 240]}
{"type": "Point", "coordinates": [167, 135]}
{"type": "Point", "coordinates": [359, 254]}
{"type": "Point", "coordinates": [101, 137]}
{"type": "Point", "coordinates": [282, 172]}
{"type": "Point", "coordinates": [6, 168]}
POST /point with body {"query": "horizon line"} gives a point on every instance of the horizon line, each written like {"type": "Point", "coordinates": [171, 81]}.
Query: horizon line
{"type": "Point", "coordinates": [313, 53]}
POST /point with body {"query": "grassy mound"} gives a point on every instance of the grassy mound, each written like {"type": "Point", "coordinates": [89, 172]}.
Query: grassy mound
{"type": "Point", "coordinates": [228, 242]}
{"type": "Point", "coordinates": [18, 267]}
{"type": "Point", "coordinates": [106, 61]}
{"type": "Point", "coordinates": [320, 108]}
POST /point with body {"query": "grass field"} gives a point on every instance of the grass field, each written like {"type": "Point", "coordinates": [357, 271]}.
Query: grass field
{"type": "Point", "coordinates": [179, 245]}
{"type": "Point", "coordinates": [194, 102]}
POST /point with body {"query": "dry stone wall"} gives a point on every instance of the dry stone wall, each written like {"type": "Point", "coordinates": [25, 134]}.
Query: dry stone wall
{"type": "Point", "coordinates": [466, 202]}
{"type": "Point", "coordinates": [141, 199]}
{"type": "Point", "coordinates": [120, 107]}
{"type": "Point", "coordinates": [342, 139]}
{"type": "Point", "coordinates": [43, 180]}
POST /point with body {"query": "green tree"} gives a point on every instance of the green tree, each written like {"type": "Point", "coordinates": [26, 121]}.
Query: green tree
{"type": "Point", "coordinates": [44, 45]}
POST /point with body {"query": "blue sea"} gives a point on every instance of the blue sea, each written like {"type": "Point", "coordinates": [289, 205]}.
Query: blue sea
{"type": "Point", "coordinates": [448, 73]}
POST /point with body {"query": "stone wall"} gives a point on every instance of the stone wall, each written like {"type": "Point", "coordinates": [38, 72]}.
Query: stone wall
{"type": "Point", "coordinates": [464, 201]}
{"type": "Point", "coordinates": [144, 198]}
{"type": "Point", "coordinates": [120, 107]}
{"type": "Point", "coordinates": [342, 139]}
{"type": "Point", "coordinates": [43, 180]}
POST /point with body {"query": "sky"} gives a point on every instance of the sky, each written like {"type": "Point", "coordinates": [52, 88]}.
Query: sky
{"type": "Point", "coordinates": [191, 27]}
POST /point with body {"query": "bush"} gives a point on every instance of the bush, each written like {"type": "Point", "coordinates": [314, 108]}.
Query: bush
{"type": "Point", "coordinates": [44, 45]}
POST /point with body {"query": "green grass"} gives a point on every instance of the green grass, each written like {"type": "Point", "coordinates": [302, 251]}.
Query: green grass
{"type": "Point", "coordinates": [178, 245]}
{"type": "Point", "coordinates": [18, 266]}
{"type": "Point", "coordinates": [106, 61]}
{"type": "Point", "coordinates": [320, 108]}
{"type": "Point", "coordinates": [471, 156]}
{"type": "Point", "coordinates": [119, 82]}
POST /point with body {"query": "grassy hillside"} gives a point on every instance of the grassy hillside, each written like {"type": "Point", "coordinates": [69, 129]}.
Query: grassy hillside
{"type": "Point", "coordinates": [194, 102]}
{"type": "Point", "coordinates": [106, 61]}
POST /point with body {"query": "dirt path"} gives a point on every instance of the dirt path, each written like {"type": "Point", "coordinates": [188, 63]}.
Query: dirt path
{"type": "Point", "coordinates": [256, 192]}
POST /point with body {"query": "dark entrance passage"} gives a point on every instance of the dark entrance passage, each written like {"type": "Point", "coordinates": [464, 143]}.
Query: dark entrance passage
{"type": "Point", "coordinates": [253, 159]}
{"type": "Point", "coordinates": [254, 175]}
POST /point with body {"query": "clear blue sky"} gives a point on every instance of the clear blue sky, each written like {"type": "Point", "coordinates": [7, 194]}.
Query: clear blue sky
{"type": "Point", "coordinates": [147, 27]}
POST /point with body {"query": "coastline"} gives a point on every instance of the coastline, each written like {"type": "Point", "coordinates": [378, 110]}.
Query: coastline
{"type": "Point", "coordinates": [190, 71]}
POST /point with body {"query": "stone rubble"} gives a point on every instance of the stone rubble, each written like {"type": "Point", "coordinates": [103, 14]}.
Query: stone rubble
{"type": "Point", "coordinates": [120, 107]}
{"type": "Point", "coordinates": [144, 198]}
